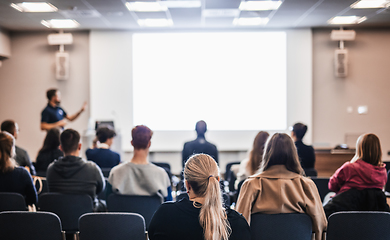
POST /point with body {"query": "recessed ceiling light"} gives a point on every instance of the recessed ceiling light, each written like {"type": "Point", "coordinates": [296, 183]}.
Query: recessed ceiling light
{"type": "Point", "coordinates": [259, 5]}
{"type": "Point", "coordinates": [155, 22]}
{"type": "Point", "coordinates": [255, 21]}
{"type": "Point", "coordinates": [181, 4]}
{"type": "Point", "coordinates": [370, 4]}
{"type": "Point", "coordinates": [145, 7]}
{"type": "Point", "coordinates": [34, 7]}
{"type": "Point", "coordinates": [340, 20]}
{"type": "Point", "coordinates": [226, 12]}
{"type": "Point", "coordinates": [60, 23]}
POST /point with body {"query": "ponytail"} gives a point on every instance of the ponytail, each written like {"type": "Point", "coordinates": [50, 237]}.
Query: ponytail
{"type": "Point", "coordinates": [201, 172]}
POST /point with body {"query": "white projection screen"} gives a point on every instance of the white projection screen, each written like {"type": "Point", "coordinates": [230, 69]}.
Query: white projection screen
{"type": "Point", "coordinates": [232, 80]}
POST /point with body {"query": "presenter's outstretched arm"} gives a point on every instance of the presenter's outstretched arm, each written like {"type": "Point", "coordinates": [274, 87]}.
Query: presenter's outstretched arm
{"type": "Point", "coordinates": [74, 116]}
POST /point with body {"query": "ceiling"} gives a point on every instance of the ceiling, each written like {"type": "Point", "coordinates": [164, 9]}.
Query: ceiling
{"type": "Point", "coordinates": [113, 14]}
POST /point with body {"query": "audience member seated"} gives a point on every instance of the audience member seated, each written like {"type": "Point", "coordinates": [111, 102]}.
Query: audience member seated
{"type": "Point", "coordinates": [280, 187]}
{"type": "Point", "coordinates": [139, 176]}
{"type": "Point", "coordinates": [49, 152]}
{"type": "Point", "coordinates": [306, 153]}
{"type": "Point", "coordinates": [251, 165]}
{"type": "Point", "coordinates": [72, 174]}
{"type": "Point", "coordinates": [12, 178]}
{"type": "Point", "coordinates": [21, 157]}
{"type": "Point", "coordinates": [200, 144]}
{"type": "Point", "coordinates": [202, 217]}
{"type": "Point", "coordinates": [102, 155]}
{"type": "Point", "coordinates": [358, 184]}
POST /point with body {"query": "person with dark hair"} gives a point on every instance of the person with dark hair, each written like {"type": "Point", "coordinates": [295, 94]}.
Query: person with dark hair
{"type": "Point", "coordinates": [21, 156]}
{"type": "Point", "coordinates": [49, 152]}
{"type": "Point", "coordinates": [12, 178]}
{"type": "Point", "coordinates": [201, 216]}
{"type": "Point", "coordinates": [358, 184]}
{"type": "Point", "coordinates": [72, 174]}
{"type": "Point", "coordinates": [139, 176]}
{"type": "Point", "coordinates": [102, 155]}
{"type": "Point", "coordinates": [251, 165]}
{"type": "Point", "coordinates": [53, 115]}
{"type": "Point", "coordinates": [200, 144]}
{"type": "Point", "coordinates": [306, 153]}
{"type": "Point", "coordinates": [280, 187]}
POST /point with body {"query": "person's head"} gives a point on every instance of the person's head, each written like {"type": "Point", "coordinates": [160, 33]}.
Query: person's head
{"type": "Point", "coordinates": [7, 151]}
{"type": "Point", "coordinates": [52, 140]}
{"type": "Point", "coordinates": [105, 135]}
{"type": "Point", "coordinates": [280, 150]}
{"type": "Point", "coordinates": [141, 136]}
{"type": "Point", "coordinates": [11, 127]}
{"type": "Point", "coordinates": [256, 154]}
{"type": "Point", "coordinates": [70, 142]}
{"type": "Point", "coordinates": [299, 131]}
{"type": "Point", "coordinates": [201, 175]}
{"type": "Point", "coordinates": [201, 127]}
{"type": "Point", "coordinates": [53, 95]}
{"type": "Point", "coordinates": [368, 148]}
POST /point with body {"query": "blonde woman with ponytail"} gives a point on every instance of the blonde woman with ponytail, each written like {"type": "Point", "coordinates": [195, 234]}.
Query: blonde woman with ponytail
{"type": "Point", "coordinates": [202, 216]}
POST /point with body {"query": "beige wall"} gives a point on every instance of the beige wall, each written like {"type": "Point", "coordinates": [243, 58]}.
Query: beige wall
{"type": "Point", "coordinates": [368, 83]}
{"type": "Point", "coordinates": [25, 77]}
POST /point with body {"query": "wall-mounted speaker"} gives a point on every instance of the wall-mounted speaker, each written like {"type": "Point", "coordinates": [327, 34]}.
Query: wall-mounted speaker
{"type": "Point", "coordinates": [341, 62]}
{"type": "Point", "coordinates": [62, 65]}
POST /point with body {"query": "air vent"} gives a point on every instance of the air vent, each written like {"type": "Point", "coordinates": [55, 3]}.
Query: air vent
{"type": "Point", "coordinates": [80, 14]}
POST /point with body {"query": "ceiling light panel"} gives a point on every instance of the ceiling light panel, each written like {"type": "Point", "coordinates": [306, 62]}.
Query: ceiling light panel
{"type": "Point", "coordinates": [181, 4]}
{"type": "Point", "coordinates": [145, 7]}
{"type": "Point", "coordinates": [34, 7]}
{"type": "Point", "coordinates": [259, 5]}
{"type": "Point", "coordinates": [370, 4]}
{"type": "Point", "coordinates": [255, 21]}
{"type": "Point", "coordinates": [60, 23]}
{"type": "Point", "coordinates": [155, 22]}
{"type": "Point", "coordinates": [341, 20]}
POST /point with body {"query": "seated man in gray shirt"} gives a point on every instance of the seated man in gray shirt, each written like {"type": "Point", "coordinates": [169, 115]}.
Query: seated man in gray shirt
{"type": "Point", "coordinates": [139, 176]}
{"type": "Point", "coordinates": [72, 174]}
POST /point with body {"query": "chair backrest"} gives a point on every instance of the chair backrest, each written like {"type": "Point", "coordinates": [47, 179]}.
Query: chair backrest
{"type": "Point", "coordinates": [227, 171]}
{"type": "Point", "coordinates": [10, 201]}
{"type": "Point", "coordinates": [144, 205]}
{"type": "Point", "coordinates": [118, 226]}
{"type": "Point", "coordinates": [163, 165]}
{"type": "Point", "coordinates": [292, 226]}
{"type": "Point", "coordinates": [68, 207]}
{"type": "Point", "coordinates": [322, 186]}
{"type": "Point", "coordinates": [358, 226]}
{"type": "Point", "coordinates": [310, 172]}
{"type": "Point", "coordinates": [21, 225]}
{"type": "Point", "coordinates": [106, 172]}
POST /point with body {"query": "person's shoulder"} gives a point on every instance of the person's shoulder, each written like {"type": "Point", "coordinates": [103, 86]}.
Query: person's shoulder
{"type": "Point", "coordinates": [234, 216]}
{"type": "Point", "coordinates": [20, 150]}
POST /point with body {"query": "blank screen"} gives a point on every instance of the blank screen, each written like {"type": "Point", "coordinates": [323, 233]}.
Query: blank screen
{"type": "Point", "coordinates": [232, 80]}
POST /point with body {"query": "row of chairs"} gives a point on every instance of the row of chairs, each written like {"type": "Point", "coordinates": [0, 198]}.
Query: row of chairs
{"type": "Point", "coordinates": [341, 226]}
{"type": "Point", "coordinates": [103, 226]}
{"type": "Point", "coordinates": [22, 225]}
{"type": "Point", "coordinates": [70, 207]}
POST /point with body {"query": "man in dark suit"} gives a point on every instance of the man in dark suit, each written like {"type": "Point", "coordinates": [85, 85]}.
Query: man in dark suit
{"type": "Point", "coordinates": [200, 144]}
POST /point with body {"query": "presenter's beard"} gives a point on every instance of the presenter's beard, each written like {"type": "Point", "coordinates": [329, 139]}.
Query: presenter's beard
{"type": "Point", "coordinates": [58, 103]}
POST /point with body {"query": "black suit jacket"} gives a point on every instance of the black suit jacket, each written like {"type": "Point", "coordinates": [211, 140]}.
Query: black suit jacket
{"type": "Point", "coordinates": [199, 145]}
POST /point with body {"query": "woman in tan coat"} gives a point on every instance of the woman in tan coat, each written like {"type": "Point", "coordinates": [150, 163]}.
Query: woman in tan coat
{"type": "Point", "coordinates": [280, 187]}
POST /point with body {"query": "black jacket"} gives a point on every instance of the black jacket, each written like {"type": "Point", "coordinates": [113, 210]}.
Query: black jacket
{"type": "Point", "coordinates": [369, 199]}
{"type": "Point", "coordinates": [199, 145]}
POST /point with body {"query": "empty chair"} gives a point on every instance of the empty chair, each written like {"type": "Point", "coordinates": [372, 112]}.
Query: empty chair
{"type": "Point", "coordinates": [291, 226]}
{"type": "Point", "coordinates": [10, 201]}
{"type": "Point", "coordinates": [144, 205]}
{"type": "Point", "coordinates": [23, 225]}
{"type": "Point", "coordinates": [358, 226]}
{"type": "Point", "coordinates": [118, 226]}
{"type": "Point", "coordinates": [68, 207]}
{"type": "Point", "coordinates": [322, 186]}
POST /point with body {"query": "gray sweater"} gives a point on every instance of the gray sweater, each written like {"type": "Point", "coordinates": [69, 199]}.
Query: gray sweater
{"type": "Point", "coordinates": [139, 179]}
{"type": "Point", "coordinates": [75, 175]}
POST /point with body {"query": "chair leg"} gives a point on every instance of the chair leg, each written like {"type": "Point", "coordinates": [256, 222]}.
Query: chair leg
{"type": "Point", "coordinates": [63, 235]}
